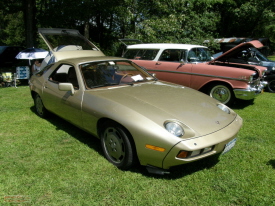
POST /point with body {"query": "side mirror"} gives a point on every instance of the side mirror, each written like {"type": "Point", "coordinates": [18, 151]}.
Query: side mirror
{"type": "Point", "coordinates": [182, 62]}
{"type": "Point", "coordinates": [66, 87]}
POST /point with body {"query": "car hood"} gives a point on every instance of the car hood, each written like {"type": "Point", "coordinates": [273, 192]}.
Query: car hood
{"type": "Point", "coordinates": [243, 46]}
{"type": "Point", "coordinates": [160, 102]}
{"type": "Point", "coordinates": [268, 64]}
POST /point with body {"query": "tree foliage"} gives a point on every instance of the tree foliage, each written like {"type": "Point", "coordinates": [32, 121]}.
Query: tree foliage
{"type": "Point", "coordinates": [106, 21]}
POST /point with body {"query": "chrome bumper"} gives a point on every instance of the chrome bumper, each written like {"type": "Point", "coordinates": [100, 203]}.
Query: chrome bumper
{"type": "Point", "coordinates": [250, 92]}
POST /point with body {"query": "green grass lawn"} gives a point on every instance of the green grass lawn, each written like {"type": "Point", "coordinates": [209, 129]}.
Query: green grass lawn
{"type": "Point", "coordinates": [51, 162]}
{"type": "Point", "coordinates": [271, 57]}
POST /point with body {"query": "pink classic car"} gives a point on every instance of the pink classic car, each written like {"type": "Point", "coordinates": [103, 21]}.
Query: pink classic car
{"type": "Point", "coordinates": [193, 66]}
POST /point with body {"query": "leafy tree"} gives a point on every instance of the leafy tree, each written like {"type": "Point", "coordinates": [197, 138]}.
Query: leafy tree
{"type": "Point", "coordinates": [178, 21]}
{"type": "Point", "coordinates": [247, 18]}
{"type": "Point", "coordinates": [14, 31]}
{"type": "Point", "coordinates": [11, 23]}
{"type": "Point", "coordinates": [106, 21]}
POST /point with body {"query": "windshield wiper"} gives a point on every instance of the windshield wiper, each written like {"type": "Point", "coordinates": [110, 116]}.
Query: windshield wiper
{"type": "Point", "coordinates": [104, 85]}
{"type": "Point", "coordinates": [110, 84]}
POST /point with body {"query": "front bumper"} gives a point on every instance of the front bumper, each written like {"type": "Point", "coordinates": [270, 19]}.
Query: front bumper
{"type": "Point", "coordinates": [218, 140]}
{"type": "Point", "coordinates": [250, 92]}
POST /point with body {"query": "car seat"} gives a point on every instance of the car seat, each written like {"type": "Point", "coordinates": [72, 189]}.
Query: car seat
{"type": "Point", "coordinates": [72, 77]}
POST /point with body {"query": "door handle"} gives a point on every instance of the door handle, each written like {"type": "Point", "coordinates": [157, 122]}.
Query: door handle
{"type": "Point", "coordinates": [158, 63]}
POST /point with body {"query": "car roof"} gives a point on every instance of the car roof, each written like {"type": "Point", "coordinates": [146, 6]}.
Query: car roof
{"type": "Point", "coordinates": [164, 46]}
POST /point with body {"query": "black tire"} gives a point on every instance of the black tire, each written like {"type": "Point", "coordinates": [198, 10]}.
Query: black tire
{"type": "Point", "coordinates": [222, 93]}
{"type": "Point", "coordinates": [41, 111]}
{"type": "Point", "coordinates": [117, 146]}
{"type": "Point", "coordinates": [271, 86]}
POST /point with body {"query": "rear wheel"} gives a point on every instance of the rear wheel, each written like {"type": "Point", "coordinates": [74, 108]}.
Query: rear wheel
{"type": "Point", "coordinates": [222, 92]}
{"type": "Point", "coordinates": [39, 107]}
{"type": "Point", "coordinates": [271, 86]}
{"type": "Point", "coordinates": [117, 146]}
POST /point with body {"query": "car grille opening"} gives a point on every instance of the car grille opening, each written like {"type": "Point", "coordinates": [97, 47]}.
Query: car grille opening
{"type": "Point", "coordinates": [189, 154]}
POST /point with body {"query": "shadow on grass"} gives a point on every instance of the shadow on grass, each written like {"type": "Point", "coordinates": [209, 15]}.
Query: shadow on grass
{"type": "Point", "coordinates": [180, 171]}
{"type": "Point", "coordinates": [94, 143]}
{"type": "Point", "coordinates": [272, 163]}
{"type": "Point", "coordinates": [82, 136]}
{"type": "Point", "coordinates": [240, 104]}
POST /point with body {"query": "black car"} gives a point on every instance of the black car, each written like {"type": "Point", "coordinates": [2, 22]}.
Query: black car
{"type": "Point", "coordinates": [8, 54]}
{"type": "Point", "coordinates": [249, 53]}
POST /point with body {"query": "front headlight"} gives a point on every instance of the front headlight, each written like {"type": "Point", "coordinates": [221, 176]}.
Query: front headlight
{"type": "Point", "coordinates": [273, 68]}
{"type": "Point", "coordinates": [251, 77]}
{"type": "Point", "coordinates": [224, 108]}
{"type": "Point", "coordinates": [174, 128]}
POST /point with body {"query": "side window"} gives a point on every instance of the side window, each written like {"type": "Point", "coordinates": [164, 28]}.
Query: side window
{"type": "Point", "coordinates": [141, 54]}
{"type": "Point", "coordinates": [149, 54]}
{"type": "Point", "coordinates": [172, 55]}
{"type": "Point", "coordinates": [65, 73]}
{"type": "Point", "coordinates": [131, 53]}
{"type": "Point", "coordinates": [44, 70]}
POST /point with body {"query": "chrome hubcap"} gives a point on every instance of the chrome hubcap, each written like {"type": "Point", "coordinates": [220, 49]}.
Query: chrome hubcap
{"type": "Point", "coordinates": [221, 93]}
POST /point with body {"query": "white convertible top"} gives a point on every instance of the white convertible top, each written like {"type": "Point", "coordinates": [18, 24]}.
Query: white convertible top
{"type": "Point", "coordinates": [164, 46]}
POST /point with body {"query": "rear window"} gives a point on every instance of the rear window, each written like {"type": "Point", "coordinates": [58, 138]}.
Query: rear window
{"type": "Point", "coordinates": [73, 42]}
{"type": "Point", "coordinates": [141, 54]}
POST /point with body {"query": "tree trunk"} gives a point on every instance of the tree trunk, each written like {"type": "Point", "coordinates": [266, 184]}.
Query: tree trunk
{"type": "Point", "coordinates": [29, 20]}
{"type": "Point", "coordinates": [87, 30]}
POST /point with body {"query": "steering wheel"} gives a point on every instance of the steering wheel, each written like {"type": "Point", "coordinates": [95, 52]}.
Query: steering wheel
{"type": "Point", "coordinates": [125, 75]}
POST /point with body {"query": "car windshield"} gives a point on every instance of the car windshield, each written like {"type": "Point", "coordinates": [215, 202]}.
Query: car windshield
{"type": "Point", "coordinates": [259, 55]}
{"type": "Point", "coordinates": [107, 73]}
{"type": "Point", "coordinates": [199, 55]}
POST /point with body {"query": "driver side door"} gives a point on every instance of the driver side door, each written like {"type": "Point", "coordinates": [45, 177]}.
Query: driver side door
{"type": "Point", "coordinates": [63, 103]}
{"type": "Point", "coordinates": [172, 68]}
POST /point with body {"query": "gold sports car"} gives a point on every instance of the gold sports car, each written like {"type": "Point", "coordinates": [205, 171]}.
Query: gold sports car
{"type": "Point", "coordinates": [137, 118]}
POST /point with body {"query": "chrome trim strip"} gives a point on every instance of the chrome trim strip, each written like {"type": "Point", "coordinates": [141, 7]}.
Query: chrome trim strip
{"type": "Point", "coordinates": [204, 75]}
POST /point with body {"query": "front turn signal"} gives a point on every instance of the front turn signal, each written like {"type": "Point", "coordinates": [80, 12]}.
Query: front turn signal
{"type": "Point", "coordinates": [152, 147]}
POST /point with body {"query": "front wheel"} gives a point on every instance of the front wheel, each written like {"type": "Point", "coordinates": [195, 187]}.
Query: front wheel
{"type": "Point", "coordinates": [271, 86]}
{"type": "Point", "coordinates": [117, 147]}
{"type": "Point", "coordinates": [222, 92]}
{"type": "Point", "coordinates": [39, 107]}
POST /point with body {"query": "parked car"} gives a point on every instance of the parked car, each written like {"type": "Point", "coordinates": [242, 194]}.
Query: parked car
{"type": "Point", "coordinates": [193, 66]}
{"type": "Point", "coordinates": [248, 53]}
{"type": "Point", "coordinates": [137, 118]}
{"type": "Point", "coordinates": [7, 55]}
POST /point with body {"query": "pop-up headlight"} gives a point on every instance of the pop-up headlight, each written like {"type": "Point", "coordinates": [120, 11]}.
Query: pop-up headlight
{"type": "Point", "coordinates": [174, 128]}
{"type": "Point", "coordinates": [224, 108]}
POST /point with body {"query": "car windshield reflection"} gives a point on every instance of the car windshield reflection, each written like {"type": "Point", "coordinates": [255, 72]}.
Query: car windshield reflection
{"type": "Point", "coordinates": [110, 73]}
